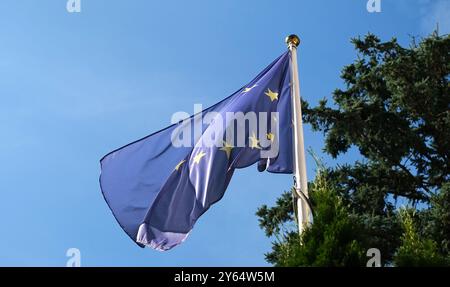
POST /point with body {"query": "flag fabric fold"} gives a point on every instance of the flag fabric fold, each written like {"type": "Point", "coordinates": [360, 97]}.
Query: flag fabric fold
{"type": "Point", "coordinates": [157, 190]}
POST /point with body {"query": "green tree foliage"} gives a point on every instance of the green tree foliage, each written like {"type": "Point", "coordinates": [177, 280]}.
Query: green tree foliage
{"type": "Point", "coordinates": [436, 219]}
{"type": "Point", "coordinates": [395, 110]}
{"type": "Point", "coordinates": [416, 251]}
{"type": "Point", "coordinates": [329, 241]}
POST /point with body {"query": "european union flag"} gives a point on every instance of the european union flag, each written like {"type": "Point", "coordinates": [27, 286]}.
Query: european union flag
{"type": "Point", "coordinates": [157, 187]}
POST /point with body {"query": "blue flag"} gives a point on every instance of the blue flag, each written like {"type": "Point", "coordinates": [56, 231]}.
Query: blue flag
{"type": "Point", "coordinates": [157, 187]}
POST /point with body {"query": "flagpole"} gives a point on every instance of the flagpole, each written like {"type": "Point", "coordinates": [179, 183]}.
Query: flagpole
{"type": "Point", "coordinates": [304, 215]}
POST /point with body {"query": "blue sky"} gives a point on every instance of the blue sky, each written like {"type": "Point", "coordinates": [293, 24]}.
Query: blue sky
{"type": "Point", "coordinates": [75, 86]}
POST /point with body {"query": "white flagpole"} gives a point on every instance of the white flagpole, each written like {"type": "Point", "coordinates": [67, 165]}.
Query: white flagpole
{"type": "Point", "coordinates": [304, 213]}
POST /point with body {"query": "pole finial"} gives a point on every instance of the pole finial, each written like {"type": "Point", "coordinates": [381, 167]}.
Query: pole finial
{"type": "Point", "coordinates": [293, 40]}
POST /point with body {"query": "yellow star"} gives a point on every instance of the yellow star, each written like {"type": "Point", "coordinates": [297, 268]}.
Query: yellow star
{"type": "Point", "coordinates": [272, 95]}
{"type": "Point", "coordinates": [180, 164]}
{"type": "Point", "coordinates": [254, 142]}
{"type": "Point", "coordinates": [248, 89]}
{"type": "Point", "coordinates": [198, 157]}
{"type": "Point", "coordinates": [227, 148]}
{"type": "Point", "coordinates": [270, 136]}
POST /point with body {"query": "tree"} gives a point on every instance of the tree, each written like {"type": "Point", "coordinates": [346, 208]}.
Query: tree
{"type": "Point", "coordinates": [414, 250]}
{"type": "Point", "coordinates": [436, 219]}
{"type": "Point", "coordinates": [330, 241]}
{"type": "Point", "coordinates": [395, 109]}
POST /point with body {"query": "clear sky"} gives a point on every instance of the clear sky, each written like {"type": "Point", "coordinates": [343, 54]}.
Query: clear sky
{"type": "Point", "coordinates": [75, 86]}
